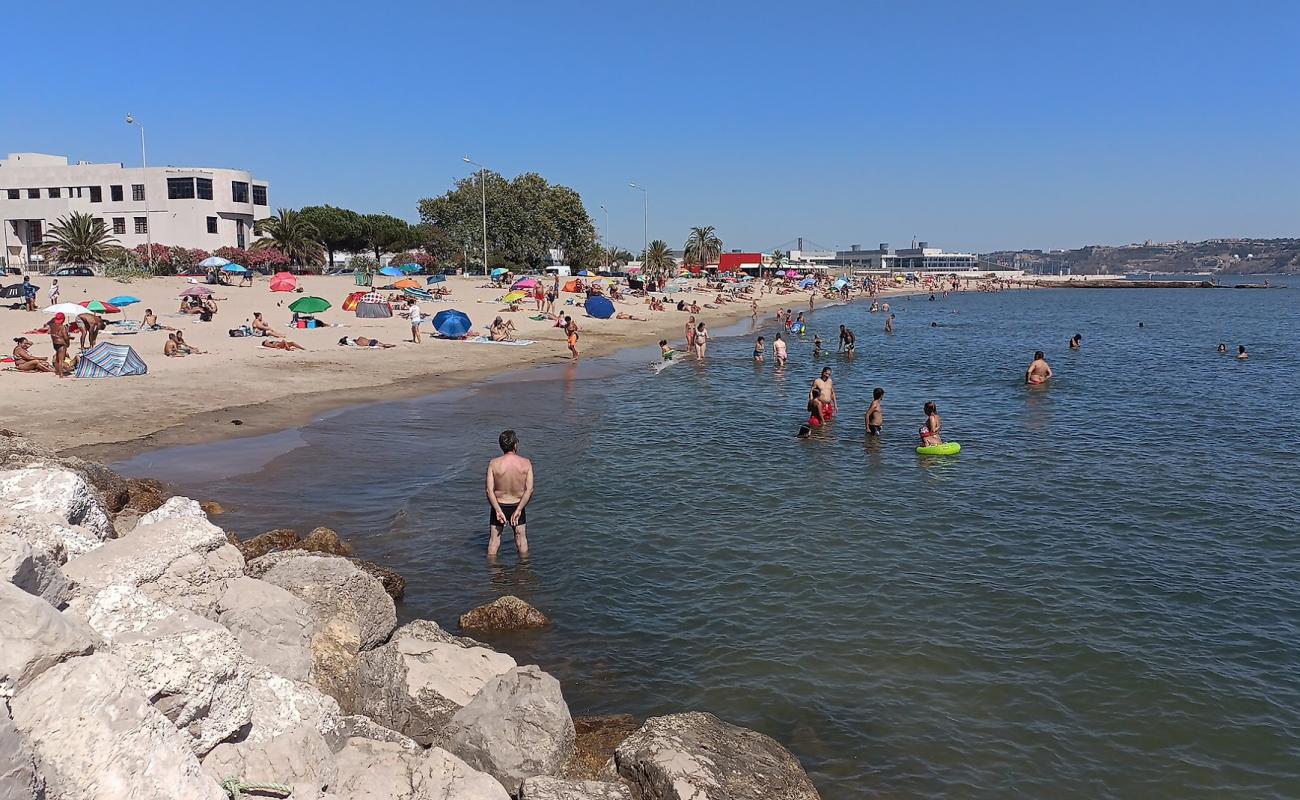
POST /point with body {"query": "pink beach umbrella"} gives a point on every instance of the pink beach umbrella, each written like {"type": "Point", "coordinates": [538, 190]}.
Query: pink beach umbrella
{"type": "Point", "coordinates": [283, 282]}
{"type": "Point", "coordinates": [525, 283]}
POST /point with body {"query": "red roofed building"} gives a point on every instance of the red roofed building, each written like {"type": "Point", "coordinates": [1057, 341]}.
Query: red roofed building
{"type": "Point", "coordinates": [730, 262]}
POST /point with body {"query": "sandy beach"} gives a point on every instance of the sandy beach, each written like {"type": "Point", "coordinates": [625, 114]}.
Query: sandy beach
{"type": "Point", "coordinates": [199, 397]}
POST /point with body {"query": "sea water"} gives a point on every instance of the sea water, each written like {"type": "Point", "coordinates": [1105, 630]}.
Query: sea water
{"type": "Point", "coordinates": [1099, 597]}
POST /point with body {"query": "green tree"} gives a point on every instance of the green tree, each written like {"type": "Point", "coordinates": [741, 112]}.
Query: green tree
{"type": "Point", "coordinates": [703, 246]}
{"type": "Point", "coordinates": [336, 229]}
{"type": "Point", "coordinates": [617, 256]}
{"type": "Point", "coordinates": [778, 260]}
{"type": "Point", "coordinates": [292, 235]}
{"type": "Point", "coordinates": [659, 260]}
{"type": "Point", "coordinates": [78, 238]}
{"type": "Point", "coordinates": [384, 233]}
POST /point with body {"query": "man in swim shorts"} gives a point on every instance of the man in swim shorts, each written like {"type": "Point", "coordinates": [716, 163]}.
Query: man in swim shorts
{"type": "Point", "coordinates": [876, 414]}
{"type": "Point", "coordinates": [760, 347]}
{"type": "Point", "coordinates": [847, 340]}
{"type": "Point", "coordinates": [509, 489]}
{"type": "Point", "coordinates": [825, 388]}
{"type": "Point", "coordinates": [1038, 372]}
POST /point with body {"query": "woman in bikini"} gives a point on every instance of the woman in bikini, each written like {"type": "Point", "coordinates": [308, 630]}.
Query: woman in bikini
{"type": "Point", "coordinates": [24, 361]}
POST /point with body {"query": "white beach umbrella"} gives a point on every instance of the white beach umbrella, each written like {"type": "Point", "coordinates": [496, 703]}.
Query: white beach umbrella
{"type": "Point", "coordinates": [66, 309]}
{"type": "Point", "coordinates": [213, 261]}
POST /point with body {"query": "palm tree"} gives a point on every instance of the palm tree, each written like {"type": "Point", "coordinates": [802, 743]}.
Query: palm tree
{"type": "Point", "coordinates": [78, 238]}
{"type": "Point", "coordinates": [703, 246]}
{"type": "Point", "coordinates": [658, 260]}
{"type": "Point", "coordinates": [617, 256]}
{"type": "Point", "coordinates": [290, 233]}
{"type": "Point", "coordinates": [778, 260]}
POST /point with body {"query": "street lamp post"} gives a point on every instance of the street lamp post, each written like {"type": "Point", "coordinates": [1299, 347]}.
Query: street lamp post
{"type": "Point", "coordinates": [604, 237]}
{"type": "Point", "coordinates": [645, 232]}
{"type": "Point", "coordinates": [144, 168]}
{"type": "Point", "coordinates": [482, 183]}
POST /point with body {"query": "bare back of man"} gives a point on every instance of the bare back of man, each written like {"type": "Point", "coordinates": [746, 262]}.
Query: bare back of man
{"type": "Point", "coordinates": [509, 489]}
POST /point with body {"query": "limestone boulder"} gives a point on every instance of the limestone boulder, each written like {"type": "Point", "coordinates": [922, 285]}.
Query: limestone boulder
{"type": "Point", "coordinates": [356, 726]}
{"type": "Point", "coordinates": [273, 626]}
{"type": "Point", "coordinates": [350, 614]}
{"type": "Point", "coordinates": [19, 779]}
{"type": "Point", "coordinates": [422, 676]}
{"type": "Point", "coordinates": [34, 637]}
{"type": "Point", "coordinates": [123, 610]}
{"type": "Point", "coordinates": [298, 758]}
{"type": "Point", "coordinates": [441, 774]}
{"type": "Point", "coordinates": [271, 541]}
{"type": "Point", "coordinates": [34, 571]}
{"type": "Point", "coordinates": [173, 508]}
{"type": "Point", "coordinates": [64, 496]}
{"type": "Point", "coordinates": [370, 770]}
{"type": "Point", "coordinates": [112, 488]}
{"type": "Point", "coordinates": [516, 727]}
{"type": "Point", "coordinates": [96, 737]}
{"type": "Point", "coordinates": [696, 756]}
{"type": "Point", "coordinates": [507, 613]}
{"type": "Point", "coordinates": [393, 583]}
{"type": "Point", "coordinates": [280, 704]}
{"type": "Point", "coordinates": [544, 787]}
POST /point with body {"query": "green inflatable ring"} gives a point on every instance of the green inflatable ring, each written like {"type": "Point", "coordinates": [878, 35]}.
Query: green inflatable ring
{"type": "Point", "coordinates": [945, 449]}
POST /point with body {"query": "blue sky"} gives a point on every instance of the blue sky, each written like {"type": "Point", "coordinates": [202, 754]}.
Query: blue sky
{"type": "Point", "coordinates": [971, 125]}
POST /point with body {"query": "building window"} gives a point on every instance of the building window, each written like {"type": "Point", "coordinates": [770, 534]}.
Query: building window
{"type": "Point", "coordinates": [259, 195]}
{"type": "Point", "coordinates": [180, 188]}
{"type": "Point", "coordinates": [13, 194]}
{"type": "Point", "coordinates": [115, 193]}
{"type": "Point", "coordinates": [54, 192]}
{"type": "Point", "coordinates": [239, 191]}
{"type": "Point", "coordinates": [119, 225]}
{"type": "Point", "coordinates": [74, 191]}
{"type": "Point", "coordinates": [212, 224]}
{"type": "Point", "coordinates": [33, 194]}
{"type": "Point", "coordinates": [35, 236]}
{"type": "Point", "coordinates": [239, 233]}
{"type": "Point", "coordinates": [137, 192]}
{"type": "Point", "coordinates": [141, 224]}
{"type": "Point", "coordinates": [205, 188]}
{"type": "Point", "coordinates": [97, 194]}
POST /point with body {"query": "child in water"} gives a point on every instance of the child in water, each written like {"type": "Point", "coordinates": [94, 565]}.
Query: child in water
{"type": "Point", "coordinates": [930, 431]}
{"type": "Point", "coordinates": [665, 351]}
{"type": "Point", "coordinates": [817, 346]}
{"type": "Point", "coordinates": [815, 416]}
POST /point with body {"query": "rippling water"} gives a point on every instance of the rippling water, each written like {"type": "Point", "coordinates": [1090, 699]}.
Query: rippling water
{"type": "Point", "coordinates": [1098, 598]}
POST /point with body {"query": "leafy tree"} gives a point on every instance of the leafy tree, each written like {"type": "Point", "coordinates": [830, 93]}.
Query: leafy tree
{"type": "Point", "coordinates": [336, 229]}
{"type": "Point", "coordinates": [384, 233]}
{"type": "Point", "coordinates": [616, 256]}
{"type": "Point", "coordinates": [78, 238]}
{"type": "Point", "coordinates": [292, 235]}
{"type": "Point", "coordinates": [778, 260]}
{"type": "Point", "coordinates": [659, 260]}
{"type": "Point", "coordinates": [703, 246]}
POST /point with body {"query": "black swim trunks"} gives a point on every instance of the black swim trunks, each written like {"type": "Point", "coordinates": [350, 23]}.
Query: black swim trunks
{"type": "Point", "coordinates": [875, 430]}
{"type": "Point", "coordinates": [508, 509]}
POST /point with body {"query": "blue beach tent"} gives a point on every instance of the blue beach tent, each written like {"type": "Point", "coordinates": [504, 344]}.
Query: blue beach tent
{"type": "Point", "coordinates": [807, 282]}
{"type": "Point", "coordinates": [451, 323]}
{"type": "Point", "coordinates": [599, 307]}
{"type": "Point", "coordinates": [106, 360]}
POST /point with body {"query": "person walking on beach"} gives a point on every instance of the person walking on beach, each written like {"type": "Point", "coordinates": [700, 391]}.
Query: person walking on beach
{"type": "Point", "coordinates": [701, 341]}
{"type": "Point", "coordinates": [847, 340]}
{"type": "Point", "coordinates": [753, 307]}
{"type": "Point", "coordinates": [509, 489]}
{"type": "Point", "coordinates": [876, 414]}
{"type": "Point", "coordinates": [1038, 372]}
{"type": "Point", "coordinates": [29, 294]}
{"type": "Point", "coordinates": [690, 334]}
{"type": "Point", "coordinates": [552, 295]}
{"type": "Point", "coordinates": [778, 350]}
{"type": "Point", "coordinates": [824, 387]}
{"type": "Point", "coordinates": [54, 292]}
{"type": "Point", "coordinates": [932, 429]}
{"type": "Point", "coordinates": [416, 318]}
{"type": "Point", "coordinates": [571, 335]}
{"type": "Point", "coordinates": [60, 340]}
{"type": "Point", "coordinates": [760, 349]}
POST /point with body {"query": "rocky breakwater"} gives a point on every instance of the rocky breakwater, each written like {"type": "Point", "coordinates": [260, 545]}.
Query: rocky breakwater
{"type": "Point", "coordinates": [143, 656]}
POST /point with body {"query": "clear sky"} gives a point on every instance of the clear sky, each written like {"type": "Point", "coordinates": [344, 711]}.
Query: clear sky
{"type": "Point", "coordinates": [971, 125]}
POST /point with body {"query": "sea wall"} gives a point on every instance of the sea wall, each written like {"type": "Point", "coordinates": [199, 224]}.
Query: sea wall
{"type": "Point", "coordinates": [147, 654]}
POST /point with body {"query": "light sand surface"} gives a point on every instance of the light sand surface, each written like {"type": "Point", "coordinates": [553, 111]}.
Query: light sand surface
{"type": "Point", "coordinates": [197, 397]}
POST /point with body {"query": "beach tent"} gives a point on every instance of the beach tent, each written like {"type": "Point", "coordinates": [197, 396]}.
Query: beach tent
{"type": "Point", "coordinates": [379, 310]}
{"type": "Point", "coordinates": [599, 307]}
{"type": "Point", "coordinates": [350, 304]}
{"type": "Point", "coordinates": [391, 272]}
{"type": "Point", "coordinates": [571, 286]}
{"type": "Point", "coordinates": [451, 323]}
{"type": "Point", "coordinates": [841, 283]}
{"type": "Point", "coordinates": [106, 360]}
{"type": "Point", "coordinates": [284, 282]}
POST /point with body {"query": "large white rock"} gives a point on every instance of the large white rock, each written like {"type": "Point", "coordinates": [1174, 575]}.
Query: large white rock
{"type": "Point", "coordinates": [544, 787]}
{"type": "Point", "coordinates": [280, 704]}
{"type": "Point", "coordinates": [350, 613]}
{"type": "Point", "coordinates": [516, 727]}
{"type": "Point", "coordinates": [298, 757]}
{"type": "Point", "coordinates": [696, 756]}
{"type": "Point", "coordinates": [125, 610]}
{"type": "Point", "coordinates": [96, 737]}
{"type": "Point", "coordinates": [34, 571]}
{"type": "Point", "coordinates": [440, 774]}
{"type": "Point", "coordinates": [18, 777]}
{"type": "Point", "coordinates": [272, 625]}
{"type": "Point", "coordinates": [49, 534]}
{"type": "Point", "coordinates": [370, 770]}
{"type": "Point", "coordinates": [62, 494]}
{"type": "Point", "coordinates": [34, 637]}
{"type": "Point", "coordinates": [422, 676]}
{"type": "Point", "coordinates": [174, 507]}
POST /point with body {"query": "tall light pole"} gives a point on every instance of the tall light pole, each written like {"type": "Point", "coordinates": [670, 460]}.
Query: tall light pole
{"type": "Point", "coordinates": [604, 237]}
{"type": "Point", "coordinates": [645, 233]}
{"type": "Point", "coordinates": [144, 182]}
{"type": "Point", "coordinates": [482, 183]}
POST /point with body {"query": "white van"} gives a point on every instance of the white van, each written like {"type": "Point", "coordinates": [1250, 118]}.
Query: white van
{"type": "Point", "coordinates": [563, 270]}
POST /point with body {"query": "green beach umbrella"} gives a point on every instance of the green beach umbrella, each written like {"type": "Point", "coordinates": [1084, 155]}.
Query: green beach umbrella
{"type": "Point", "coordinates": [309, 305]}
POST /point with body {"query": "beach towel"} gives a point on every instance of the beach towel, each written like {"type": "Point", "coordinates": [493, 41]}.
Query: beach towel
{"type": "Point", "coordinates": [486, 340]}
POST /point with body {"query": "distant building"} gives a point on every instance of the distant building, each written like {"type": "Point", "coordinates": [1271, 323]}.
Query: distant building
{"type": "Point", "coordinates": [921, 258]}
{"type": "Point", "coordinates": [198, 207]}
{"type": "Point", "coordinates": [729, 262]}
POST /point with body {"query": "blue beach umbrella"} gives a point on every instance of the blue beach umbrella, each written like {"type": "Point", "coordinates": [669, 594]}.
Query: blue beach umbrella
{"type": "Point", "coordinates": [123, 300]}
{"type": "Point", "coordinates": [391, 271]}
{"type": "Point", "coordinates": [234, 268]}
{"type": "Point", "coordinates": [841, 283]}
{"type": "Point", "coordinates": [806, 282]}
{"type": "Point", "coordinates": [451, 323]}
{"type": "Point", "coordinates": [582, 273]}
{"type": "Point", "coordinates": [599, 307]}
{"type": "Point", "coordinates": [410, 268]}
{"type": "Point", "coordinates": [432, 279]}
{"type": "Point", "coordinates": [498, 271]}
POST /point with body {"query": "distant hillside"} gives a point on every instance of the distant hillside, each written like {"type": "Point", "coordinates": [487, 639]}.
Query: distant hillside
{"type": "Point", "coordinates": [1236, 256]}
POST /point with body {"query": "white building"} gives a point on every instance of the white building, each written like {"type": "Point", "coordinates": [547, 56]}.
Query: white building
{"type": "Point", "coordinates": [919, 258]}
{"type": "Point", "coordinates": [196, 207]}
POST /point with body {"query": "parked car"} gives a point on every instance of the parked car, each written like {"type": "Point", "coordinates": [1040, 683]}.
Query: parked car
{"type": "Point", "coordinates": [73, 272]}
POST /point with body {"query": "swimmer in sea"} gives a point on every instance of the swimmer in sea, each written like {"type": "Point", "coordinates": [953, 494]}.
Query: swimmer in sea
{"type": "Point", "coordinates": [1076, 342]}
{"type": "Point", "coordinates": [932, 429]}
{"type": "Point", "coordinates": [760, 348]}
{"type": "Point", "coordinates": [1223, 348]}
{"type": "Point", "coordinates": [815, 418]}
{"type": "Point", "coordinates": [1038, 372]}
{"type": "Point", "coordinates": [817, 346]}
{"type": "Point", "coordinates": [889, 324]}
{"type": "Point", "coordinates": [778, 350]}
{"type": "Point", "coordinates": [824, 387]}
{"type": "Point", "coordinates": [1241, 352]}
{"type": "Point", "coordinates": [875, 414]}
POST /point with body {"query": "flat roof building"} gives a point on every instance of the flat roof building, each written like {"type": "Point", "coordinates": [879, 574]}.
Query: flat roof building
{"type": "Point", "coordinates": [920, 258]}
{"type": "Point", "coordinates": [195, 207]}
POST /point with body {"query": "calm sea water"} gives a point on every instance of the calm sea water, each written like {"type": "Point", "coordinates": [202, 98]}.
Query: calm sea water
{"type": "Point", "coordinates": [1100, 597]}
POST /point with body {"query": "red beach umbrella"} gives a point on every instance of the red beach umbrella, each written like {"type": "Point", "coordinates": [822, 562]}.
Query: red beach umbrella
{"type": "Point", "coordinates": [284, 282]}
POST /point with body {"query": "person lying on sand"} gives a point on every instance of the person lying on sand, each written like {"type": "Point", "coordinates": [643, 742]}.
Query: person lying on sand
{"type": "Point", "coordinates": [625, 315]}
{"type": "Point", "coordinates": [282, 344]}
{"type": "Point", "coordinates": [262, 329]}
{"type": "Point", "coordinates": [24, 361]}
{"type": "Point", "coordinates": [363, 341]}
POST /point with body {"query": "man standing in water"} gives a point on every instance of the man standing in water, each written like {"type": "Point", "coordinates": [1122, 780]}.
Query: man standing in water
{"type": "Point", "coordinates": [824, 387]}
{"type": "Point", "coordinates": [1038, 371]}
{"type": "Point", "coordinates": [876, 414]}
{"type": "Point", "coordinates": [509, 488]}
{"type": "Point", "coordinates": [847, 340]}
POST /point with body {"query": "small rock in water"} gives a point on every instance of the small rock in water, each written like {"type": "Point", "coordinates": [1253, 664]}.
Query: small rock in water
{"type": "Point", "coordinates": [507, 613]}
{"type": "Point", "coordinates": [597, 738]}
{"type": "Point", "coordinates": [260, 545]}
{"type": "Point", "coordinates": [393, 583]}
{"type": "Point", "coordinates": [236, 422]}
{"type": "Point", "coordinates": [324, 540]}
{"type": "Point", "coordinates": [212, 508]}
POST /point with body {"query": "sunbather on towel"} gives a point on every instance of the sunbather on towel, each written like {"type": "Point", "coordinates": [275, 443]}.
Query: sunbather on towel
{"type": "Point", "coordinates": [363, 341]}
{"type": "Point", "coordinates": [282, 344]}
